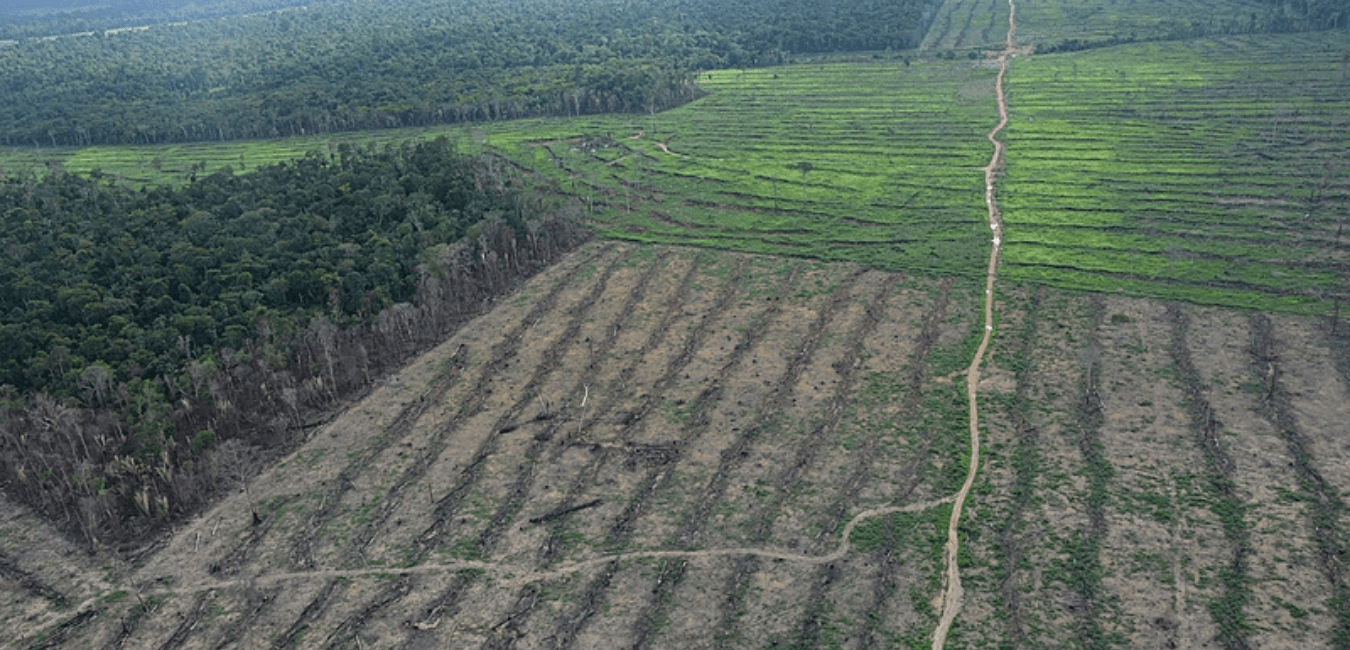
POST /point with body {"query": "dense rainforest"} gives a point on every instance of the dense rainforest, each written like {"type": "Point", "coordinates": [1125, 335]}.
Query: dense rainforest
{"type": "Point", "coordinates": [41, 18]}
{"type": "Point", "coordinates": [154, 343]}
{"type": "Point", "coordinates": [360, 65]}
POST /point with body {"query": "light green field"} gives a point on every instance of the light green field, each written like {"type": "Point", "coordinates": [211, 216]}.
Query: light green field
{"type": "Point", "coordinates": [968, 24]}
{"type": "Point", "coordinates": [1045, 23]}
{"type": "Point", "coordinates": [1209, 170]}
{"type": "Point", "coordinates": [876, 163]}
{"type": "Point", "coordinates": [982, 24]}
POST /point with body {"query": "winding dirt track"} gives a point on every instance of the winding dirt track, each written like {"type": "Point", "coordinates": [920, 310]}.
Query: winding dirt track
{"type": "Point", "coordinates": [951, 597]}
{"type": "Point", "coordinates": [517, 575]}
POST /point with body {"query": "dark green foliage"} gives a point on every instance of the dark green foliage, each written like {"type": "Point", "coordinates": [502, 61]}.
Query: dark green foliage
{"type": "Point", "coordinates": [35, 18]}
{"type": "Point", "coordinates": [143, 281]}
{"type": "Point", "coordinates": [154, 343]}
{"type": "Point", "coordinates": [363, 65]}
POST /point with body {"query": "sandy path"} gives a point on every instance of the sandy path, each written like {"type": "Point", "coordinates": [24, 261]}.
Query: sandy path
{"type": "Point", "coordinates": [659, 145]}
{"type": "Point", "coordinates": [951, 597]}
{"type": "Point", "coordinates": [518, 575]}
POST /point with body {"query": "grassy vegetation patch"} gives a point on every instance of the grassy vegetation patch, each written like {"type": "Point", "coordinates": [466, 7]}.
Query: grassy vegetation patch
{"type": "Point", "coordinates": [1209, 170]}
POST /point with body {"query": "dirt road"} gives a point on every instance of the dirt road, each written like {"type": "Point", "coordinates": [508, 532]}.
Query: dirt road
{"type": "Point", "coordinates": [951, 597]}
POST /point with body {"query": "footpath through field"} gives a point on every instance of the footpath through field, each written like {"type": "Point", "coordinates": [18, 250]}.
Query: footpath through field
{"type": "Point", "coordinates": [951, 597]}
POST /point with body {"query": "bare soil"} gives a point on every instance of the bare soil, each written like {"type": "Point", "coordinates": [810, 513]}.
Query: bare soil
{"type": "Point", "coordinates": [672, 448]}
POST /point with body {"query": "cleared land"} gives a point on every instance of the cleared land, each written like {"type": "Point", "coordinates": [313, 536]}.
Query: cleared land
{"type": "Point", "coordinates": [968, 25]}
{"type": "Point", "coordinates": [666, 446]}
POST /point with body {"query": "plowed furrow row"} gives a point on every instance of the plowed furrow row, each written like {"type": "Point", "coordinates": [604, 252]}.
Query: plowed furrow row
{"type": "Point", "coordinates": [884, 586]}
{"type": "Point", "coordinates": [808, 631]}
{"type": "Point", "coordinates": [501, 351]}
{"type": "Point", "coordinates": [570, 624]}
{"type": "Point", "coordinates": [1325, 508]}
{"type": "Point", "coordinates": [747, 566]}
{"type": "Point", "coordinates": [448, 505]}
{"type": "Point", "coordinates": [233, 561]}
{"type": "Point", "coordinates": [923, 344]}
{"type": "Point", "coordinates": [965, 27]}
{"type": "Point", "coordinates": [552, 548]}
{"type": "Point", "coordinates": [1086, 561]}
{"type": "Point", "coordinates": [431, 539]}
{"type": "Point", "coordinates": [302, 555]}
{"type": "Point", "coordinates": [1027, 441]}
{"type": "Point", "coordinates": [1228, 608]}
{"type": "Point", "coordinates": [495, 527]}
{"type": "Point", "coordinates": [62, 633]}
{"type": "Point", "coordinates": [9, 570]}
{"type": "Point", "coordinates": [400, 428]}
{"type": "Point", "coordinates": [448, 599]}
{"type": "Point", "coordinates": [316, 607]}
{"type": "Point", "coordinates": [848, 376]}
{"type": "Point", "coordinates": [189, 623]}
{"type": "Point", "coordinates": [886, 580]}
{"type": "Point", "coordinates": [254, 604]}
{"type": "Point", "coordinates": [1338, 339]}
{"type": "Point", "coordinates": [504, 634]}
{"type": "Point", "coordinates": [128, 624]}
{"type": "Point", "coordinates": [656, 476]}
{"type": "Point", "coordinates": [345, 632]}
{"type": "Point", "coordinates": [733, 456]}
{"type": "Point", "coordinates": [668, 577]}
{"type": "Point", "coordinates": [671, 573]}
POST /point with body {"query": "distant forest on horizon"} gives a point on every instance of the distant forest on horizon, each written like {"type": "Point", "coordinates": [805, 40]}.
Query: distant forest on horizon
{"type": "Point", "coordinates": [358, 65]}
{"type": "Point", "coordinates": [49, 17]}
{"type": "Point", "coordinates": [362, 65]}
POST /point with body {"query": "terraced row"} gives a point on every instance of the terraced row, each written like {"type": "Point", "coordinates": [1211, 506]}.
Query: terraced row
{"type": "Point", "coordinates": [1210, 171]}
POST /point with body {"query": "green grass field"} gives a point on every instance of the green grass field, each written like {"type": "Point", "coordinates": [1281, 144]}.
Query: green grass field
{"type": "Point", "coordinates": [1209, 170]}
{"type": "Point", "coordinates": [866, 162]}
{"type": "Point", "coordinates": [982, 24]}
{"type": "Point", "coordinates": [1048, 23]}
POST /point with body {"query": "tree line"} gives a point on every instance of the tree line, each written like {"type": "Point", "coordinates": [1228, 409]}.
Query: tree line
{"type": "Point", "coordinates": [157, 342]}
{"type": "Point", "coordinates": [59, 18]}
{"type": "Point", "coordinates": [1278, 17]}
{"type": "Point", "coordinates": [362, 65]}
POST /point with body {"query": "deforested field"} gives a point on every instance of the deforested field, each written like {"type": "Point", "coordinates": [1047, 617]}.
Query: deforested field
{"type": "Point", "coordinates": [667, 447]}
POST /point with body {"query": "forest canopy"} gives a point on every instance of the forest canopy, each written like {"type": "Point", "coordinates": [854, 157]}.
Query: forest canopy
{"type": "Point", "coordinates": [359, 65]}
{"type": "Point", "coordinates": [144, 329]}
{"type": "Point", "coordinates": [39, 18]}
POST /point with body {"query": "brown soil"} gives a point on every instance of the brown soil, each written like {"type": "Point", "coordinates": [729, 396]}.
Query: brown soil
{"type": "Point", "coordinates": [743, 417]}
